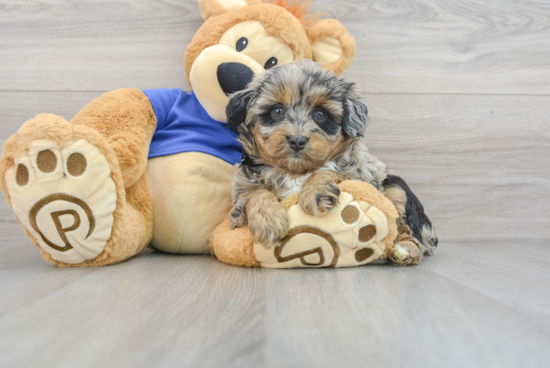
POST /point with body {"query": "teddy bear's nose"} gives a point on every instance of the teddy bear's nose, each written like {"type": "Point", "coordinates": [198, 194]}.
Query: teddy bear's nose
{"type": "Point", "coordinates": [233, 77]}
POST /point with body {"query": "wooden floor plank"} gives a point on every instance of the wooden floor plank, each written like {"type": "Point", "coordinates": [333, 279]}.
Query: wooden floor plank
{"type": "Point", "coordinates": [154, 310]}
{"type": "Point", "coordinates": [392, 317]}
{"type": "Point", "coordinates": [514, 273]}
{"type": "Point", "coordinates": [161, 310]}
{"type": "Point", "coordinates": [27, 277]}
{"type": "Point", "coordinates": [404, 46]}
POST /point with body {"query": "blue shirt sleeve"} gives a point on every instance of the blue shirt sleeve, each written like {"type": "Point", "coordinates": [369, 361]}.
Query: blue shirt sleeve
{"type": "Point", "coordinates": [163, 100]}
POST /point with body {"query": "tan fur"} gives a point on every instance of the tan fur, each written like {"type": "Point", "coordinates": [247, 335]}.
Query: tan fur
{"type": "Point", "coordinates": [338, 146]}
{"type": "Point", "coordinates": [267, 218]}
{"type": "Point", "coordinates": [270, 146]}
{"type": "Point", "coordinates": [284, 95]}
{"type": "Point", "coordinates": [210, 8]}
{"type": "Point", "coordinates": [398, 197]}
{"type": "Point", "coordinates": [318, 149]}
{"type": "Point", "coordinates": [126, 119]}
{"type": "Point", "coordinates": [320, 193]}
{"type": "Point", "coordinates": [291, 200]}
{"type": "Point", "coordinates": [299, 9]}
{"type": "Point", "coordinates": [233, 246]}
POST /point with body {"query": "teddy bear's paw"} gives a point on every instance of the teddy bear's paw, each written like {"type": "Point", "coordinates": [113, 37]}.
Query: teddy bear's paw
{"type": "Point", "coordinates": [352, 234]}
{"type": "Point", "coordinates": [363, 243]}
{"type": "Point", "coordinates": [65, 197]}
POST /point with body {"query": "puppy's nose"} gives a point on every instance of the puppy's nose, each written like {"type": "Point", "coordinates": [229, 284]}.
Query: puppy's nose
{"type": "Point", "coordinates": [297, 142]}
{"type": "Point", "coordinates": [233, 77]}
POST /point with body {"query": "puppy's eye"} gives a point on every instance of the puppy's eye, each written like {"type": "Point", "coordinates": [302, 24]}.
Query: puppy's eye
{"type": "Point", "coordinates": [241, 44]}
{"type": "Point", "coordinates": [270, 63]}
{"type": "Point", "coordinates": [277, 112]}
{"type": "Point", "coordinates": [319, 115]}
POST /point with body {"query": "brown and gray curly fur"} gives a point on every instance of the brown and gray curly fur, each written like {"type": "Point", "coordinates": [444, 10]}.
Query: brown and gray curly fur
{"type": "Point", "coordinates": [300, 127]}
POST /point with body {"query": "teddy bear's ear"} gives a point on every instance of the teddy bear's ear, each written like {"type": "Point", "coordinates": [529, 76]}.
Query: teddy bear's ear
{"type": "Point", "coordinates": [331, 45]}
{"type": "Point", "coordinates": [211, 8]}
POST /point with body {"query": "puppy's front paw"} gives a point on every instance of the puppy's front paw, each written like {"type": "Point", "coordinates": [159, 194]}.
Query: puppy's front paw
{"type": "Point", "coordinates": [238, 218]}
{"type": "Point", "coordinates": [405, 253]}
{"type": "Point", "coordinates": [319, 199]}
{"type": "Point", "coordinates": [269, 224]}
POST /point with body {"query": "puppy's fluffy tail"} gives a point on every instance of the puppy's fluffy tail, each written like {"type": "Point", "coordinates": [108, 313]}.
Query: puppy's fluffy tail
{"type": "Point", "coordinates": [409, 206]}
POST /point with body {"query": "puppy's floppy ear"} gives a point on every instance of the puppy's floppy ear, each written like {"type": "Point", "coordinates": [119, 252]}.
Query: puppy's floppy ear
{"type": "Point", "coordinates": [355, 119]}
{"type": "Point", "coordinates": [237, 108]}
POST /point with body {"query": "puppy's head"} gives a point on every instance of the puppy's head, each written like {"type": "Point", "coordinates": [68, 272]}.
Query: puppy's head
{"type": "Point", "coordinates": [297, 116]}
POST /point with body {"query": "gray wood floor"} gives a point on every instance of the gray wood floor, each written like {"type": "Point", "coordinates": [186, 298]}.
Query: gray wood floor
{"type": "Point", "coordinates": [473, 305]}
{"type": "Point", "coordinates": [459, 96]}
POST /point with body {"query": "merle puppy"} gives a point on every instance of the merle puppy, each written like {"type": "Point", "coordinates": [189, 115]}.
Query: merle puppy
{"type": "Point", "coordinates": [301, 128]}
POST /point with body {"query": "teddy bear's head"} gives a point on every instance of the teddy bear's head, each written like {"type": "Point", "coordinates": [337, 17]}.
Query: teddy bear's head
{"type": "Point", "coordinates": [243, 38]}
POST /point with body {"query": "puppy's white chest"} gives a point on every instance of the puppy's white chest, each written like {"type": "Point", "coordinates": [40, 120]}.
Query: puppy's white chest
{"type": "Point", "coordinates": [294, 185]}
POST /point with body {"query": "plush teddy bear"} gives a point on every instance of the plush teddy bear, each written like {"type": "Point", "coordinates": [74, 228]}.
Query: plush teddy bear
{"type": "Point", "coordinates": [133, 167]}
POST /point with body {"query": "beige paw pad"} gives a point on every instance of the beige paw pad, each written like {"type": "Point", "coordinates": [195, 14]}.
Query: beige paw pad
{"type": "Point", "coordinates": [296, 250]}
{"type": "Point", "coordinates": [350, 235]}
{"type": "Point", "coordinates": [65, 197]}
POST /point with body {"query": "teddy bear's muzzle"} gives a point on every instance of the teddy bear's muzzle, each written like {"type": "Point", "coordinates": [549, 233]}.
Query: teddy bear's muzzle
{"type": "Point", "coordinates": [218, 71]}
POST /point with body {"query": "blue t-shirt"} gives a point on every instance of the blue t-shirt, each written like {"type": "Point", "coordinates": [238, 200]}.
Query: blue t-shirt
{"type": "Point", "coordinates": [183, 126]}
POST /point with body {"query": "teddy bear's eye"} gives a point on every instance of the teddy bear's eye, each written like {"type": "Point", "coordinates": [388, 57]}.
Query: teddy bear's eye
{"type": "Point", "coordinates": [270, 63]}
{"type": "Point", "coordinates": [241, 44]}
